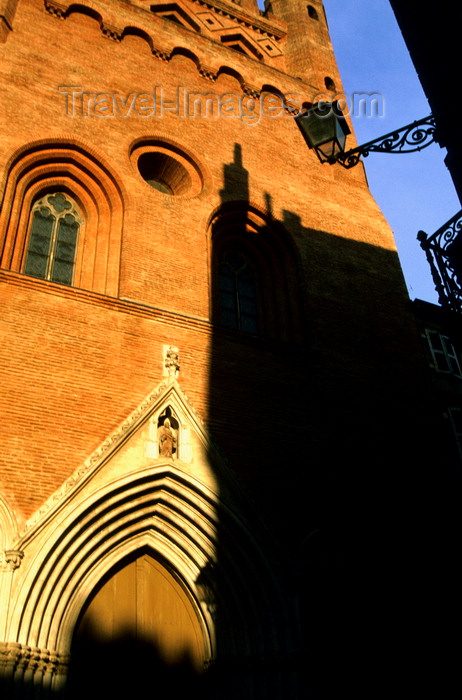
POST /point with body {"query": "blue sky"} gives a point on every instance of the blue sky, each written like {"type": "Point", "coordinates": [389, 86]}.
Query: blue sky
{"type": "Point", "coordinates": [414, 191]}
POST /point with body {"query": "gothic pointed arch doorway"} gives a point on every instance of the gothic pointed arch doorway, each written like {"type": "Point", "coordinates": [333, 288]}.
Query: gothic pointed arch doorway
{"type": "Point", "coordinates": [140, 628]}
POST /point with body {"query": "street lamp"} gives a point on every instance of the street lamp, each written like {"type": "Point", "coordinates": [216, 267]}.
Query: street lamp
{"type": "Point", "coordinates": [325, 129]}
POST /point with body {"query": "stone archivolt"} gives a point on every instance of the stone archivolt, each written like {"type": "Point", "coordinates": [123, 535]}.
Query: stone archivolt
{"type": "Point", "coordinates": [124, 500]}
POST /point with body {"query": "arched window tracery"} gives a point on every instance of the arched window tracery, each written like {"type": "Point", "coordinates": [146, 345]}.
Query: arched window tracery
{"type": "Point", "coordinates": [53, 238]}
{"type": "Point", "coordinates": [237, 283]}
{"type": "Point", "coordinates": [254, 279]}
{"type": "Point", "coordinates": [62, 212]}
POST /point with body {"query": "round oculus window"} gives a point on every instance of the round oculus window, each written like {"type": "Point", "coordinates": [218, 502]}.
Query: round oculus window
{"type": "Point", "coordinates": [168, 170]}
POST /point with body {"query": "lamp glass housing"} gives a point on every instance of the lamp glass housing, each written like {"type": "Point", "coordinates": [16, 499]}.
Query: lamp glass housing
{"type": "Point", "coordinates": [324, 128]}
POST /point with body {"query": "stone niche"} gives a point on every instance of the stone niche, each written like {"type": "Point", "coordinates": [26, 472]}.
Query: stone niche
{"type": "Point", "coordinates": [169, 437]}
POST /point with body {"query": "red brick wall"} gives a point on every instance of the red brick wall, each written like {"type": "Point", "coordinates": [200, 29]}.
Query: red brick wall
{"type": "Point", "coordinates": [76, 363]}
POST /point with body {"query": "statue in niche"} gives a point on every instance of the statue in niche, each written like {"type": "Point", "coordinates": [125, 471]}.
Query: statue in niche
{"type": "Point", "coordinates": [166, 439]}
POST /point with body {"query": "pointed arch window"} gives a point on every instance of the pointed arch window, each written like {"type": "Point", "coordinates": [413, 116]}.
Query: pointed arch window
{"type": "Point", "coordinates": [255, 287]}
{"type": "Point", "coordinates": [53, 236]}
{"type": "Point", "coordinates": [237, 292]}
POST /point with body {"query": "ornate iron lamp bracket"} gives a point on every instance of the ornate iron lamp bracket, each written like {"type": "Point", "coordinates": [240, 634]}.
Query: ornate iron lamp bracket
{"type": "Point", "coordinates": [410, 138]}
{"type": "Point", "coordinates": [444, 255]}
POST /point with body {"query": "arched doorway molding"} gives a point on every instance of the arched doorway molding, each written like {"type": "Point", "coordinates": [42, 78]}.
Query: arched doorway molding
{"type": "Point", "coordinates": [10, 558]}
{"type": "Point", "coordinates": [178, 520]}
{"type": "Point", "coordinates": [8, 524]}
{"type": "Point", "coordinates": [171, 516]}
{"type": "Point", "coordinates": [191, 516]}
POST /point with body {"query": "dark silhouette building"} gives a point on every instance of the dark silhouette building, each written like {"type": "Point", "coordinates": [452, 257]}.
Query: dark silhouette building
{"type": "Point", "coordinates": [432, 38]}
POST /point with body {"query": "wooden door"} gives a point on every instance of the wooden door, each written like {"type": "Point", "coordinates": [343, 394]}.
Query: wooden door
{"type": "Point", "coordinates": [140, 623]}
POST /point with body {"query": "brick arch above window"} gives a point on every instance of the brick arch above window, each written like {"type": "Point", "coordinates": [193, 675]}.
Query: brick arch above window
{"type": "Point", "coordinates": [47, 168]}
{"type": "Point", "coordinates": [255, 285]}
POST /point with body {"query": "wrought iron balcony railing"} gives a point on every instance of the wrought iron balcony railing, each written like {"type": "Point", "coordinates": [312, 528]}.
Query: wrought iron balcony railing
{"type": "Point", "coordinates": [444, 254]}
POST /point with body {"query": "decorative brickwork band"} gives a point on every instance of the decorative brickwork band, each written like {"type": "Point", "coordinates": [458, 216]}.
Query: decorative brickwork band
{"type": "Point", "coordinates": [251, 90]}
{"type": "Point", "coordinates": [207, 73]}
{"type": "Point", "coordinates": [55, 9]}
{"type": "Point", "coordinates": [163, 55]}
{"type": "Point", "coordinates": [111, 32]}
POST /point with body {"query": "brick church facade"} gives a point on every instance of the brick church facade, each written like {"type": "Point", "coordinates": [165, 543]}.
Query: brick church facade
{"type": "Point", "coordinates": [216, 432]}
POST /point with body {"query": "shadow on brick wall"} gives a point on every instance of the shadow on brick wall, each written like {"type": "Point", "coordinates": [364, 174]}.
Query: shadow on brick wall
{"type": "Point", "coordinates": [335, 440]}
